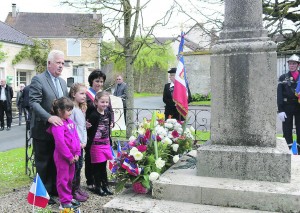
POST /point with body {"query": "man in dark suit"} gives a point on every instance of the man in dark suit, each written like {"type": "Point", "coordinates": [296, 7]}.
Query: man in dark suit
{"type": "Point", "coordinates": [6, 95]}
{"type": "Point", "coordinates": [120, 91]}
{"type": "Point", "coordinates": [44, 89]}
{"type": "Point", "coordinates": [19, 102]}
{"type": "Point", "coordinates": [25, 104]}
{"type": "Point", "coordinates": [170, 108]}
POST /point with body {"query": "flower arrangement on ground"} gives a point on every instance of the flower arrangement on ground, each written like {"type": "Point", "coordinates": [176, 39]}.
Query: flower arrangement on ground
{"type": "Point", "coordinates": [153, 148]}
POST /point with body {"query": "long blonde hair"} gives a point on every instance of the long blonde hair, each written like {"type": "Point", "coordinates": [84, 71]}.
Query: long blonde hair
{"type": "Point", "coordinates": [73, 90]}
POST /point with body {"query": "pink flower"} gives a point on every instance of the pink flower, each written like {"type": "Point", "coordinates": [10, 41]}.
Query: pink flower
{"type": "Point", "coordinates": [175, 134]}
{"type": "Point", "coordinates": [139, 188]}
{"type": "Point", "coordinates": [131, 143]}
{"type": "Point", "coordinates": [142, 148]}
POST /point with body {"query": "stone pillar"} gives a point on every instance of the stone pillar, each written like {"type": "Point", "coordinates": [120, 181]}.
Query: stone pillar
{"type": "Point", "coordinates": [243, 141]}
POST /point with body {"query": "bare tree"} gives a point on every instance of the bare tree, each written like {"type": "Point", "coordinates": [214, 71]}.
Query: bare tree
{"type": "Point", "coordinates": [282, 19]}
{"type": "Point", "coordinates": [126, 15]}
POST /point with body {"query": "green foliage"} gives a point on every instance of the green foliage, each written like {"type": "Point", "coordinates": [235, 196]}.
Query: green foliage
{"type": "Point", "coordinates": [12, 173]}
{"type": "Point", "coordinates": [38, 53]}
{"type": "Point", "coordinates": [280, 15]}
{"type": "Point", "coordinates": [149, 55]}
{"type": "Point", "coordinates": [201, 97]}
{"type": "Point", "coordinates": [3, 55]}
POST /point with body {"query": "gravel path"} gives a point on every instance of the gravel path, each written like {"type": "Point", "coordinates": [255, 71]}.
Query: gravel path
{"type": "Point", "coordinates": [16, 202]}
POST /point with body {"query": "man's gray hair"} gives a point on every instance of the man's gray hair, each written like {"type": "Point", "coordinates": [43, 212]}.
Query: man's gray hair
{"type": "Point", "coordinates": [54, 53]}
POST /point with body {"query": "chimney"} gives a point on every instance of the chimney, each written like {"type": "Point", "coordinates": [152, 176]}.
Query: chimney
{"type": "Point", "coordinates": [14, 11]}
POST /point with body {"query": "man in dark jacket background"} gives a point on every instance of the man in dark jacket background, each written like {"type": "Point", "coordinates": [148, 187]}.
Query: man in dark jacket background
{"type": "Point", "coordinates": [170, 107]}
{"type": "Point", "coordinates": [288, 102]}
{"type": "Point", "coordinates": [6, 95]}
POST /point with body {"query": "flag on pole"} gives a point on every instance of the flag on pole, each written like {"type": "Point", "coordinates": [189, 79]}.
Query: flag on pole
{"type": "Point", "coordinates": [38, 195]}
{"type": "Point", "coordinates": [294, 148]}
{"type": "Point", "coordinates": [119, 149]}
{"type": "Point", "coordinates": [180, 93]}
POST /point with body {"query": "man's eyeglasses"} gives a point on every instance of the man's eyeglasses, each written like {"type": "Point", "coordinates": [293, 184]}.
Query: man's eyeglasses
{"type": "Point", "coordinates": [118, 78]}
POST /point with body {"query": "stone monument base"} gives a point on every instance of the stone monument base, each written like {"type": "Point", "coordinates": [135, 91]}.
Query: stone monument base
{"type": "Point", "coordinates": [245, 163]}
{"type": "Point", "coordinates": [180, 190]}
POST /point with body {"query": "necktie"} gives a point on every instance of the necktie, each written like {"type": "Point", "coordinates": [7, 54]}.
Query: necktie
{"type": "Point", "coordinates": [58, 88]}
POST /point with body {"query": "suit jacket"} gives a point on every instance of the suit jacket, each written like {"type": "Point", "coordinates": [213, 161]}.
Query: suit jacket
{"type": "Point", "coordinates": [25, 96]}
{"type": "Point", "coordinates": [120, 91]}
{"type": "Point", "coordinates": [9, 95]}
{"type": "Point", "coordinates": [19, 100]}
{"type": "Point", "coordinates": [168, 99]}
{"type": "Point", "coordinates": [42, 93]}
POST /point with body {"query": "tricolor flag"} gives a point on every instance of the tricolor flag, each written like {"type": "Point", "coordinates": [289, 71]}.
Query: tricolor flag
{"type": "Point", "coordinates": [38, 195]}
{"type": "Point", "coordinates": [180, 93]}
{"type": "Point", "coordinates": [111, 163]}
{"type": "Point", "coordinates": [131, 168]}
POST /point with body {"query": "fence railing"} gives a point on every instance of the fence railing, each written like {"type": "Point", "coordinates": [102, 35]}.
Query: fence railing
{"type": "Point", "coordinates": [198, 117]}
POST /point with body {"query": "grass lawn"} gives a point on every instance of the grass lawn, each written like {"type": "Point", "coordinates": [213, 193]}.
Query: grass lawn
{"type": "Point", "coordinates": [200, 103]}
{"type": "Point", "coordinates": [12, 173]}
{"type": "Point", "coordinates": [144, 94]}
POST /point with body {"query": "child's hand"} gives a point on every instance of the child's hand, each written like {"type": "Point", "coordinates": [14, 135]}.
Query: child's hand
{"type": "Point", "coordinates": [88, 124]}
{"type": "Point", "coordinates": [76, 158]}
{"type": "Point", "coordinates": [82, 145]}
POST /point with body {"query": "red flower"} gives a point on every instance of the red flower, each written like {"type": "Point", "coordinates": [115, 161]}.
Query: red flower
{"type": "Point", "coordinates": [147, 134]}
{"type": "Point", "coordinates": [175, 134]}
{"type": "Point", "coordinates": [142, 148]}
{"type": "Point", "coordinates": [158, 138]}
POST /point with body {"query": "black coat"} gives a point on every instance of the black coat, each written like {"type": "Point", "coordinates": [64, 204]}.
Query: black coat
{"type": "Point", "coordinates": [170, 108]}
{"type": "Point", "coordinates": [25, 96]}
{"type": "Point", "coordinates": [9, 95]}
{"type": "Point", "coordinates": [286, 91]}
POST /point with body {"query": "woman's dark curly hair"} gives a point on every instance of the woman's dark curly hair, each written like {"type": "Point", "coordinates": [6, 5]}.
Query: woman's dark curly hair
{"type": "Point", "coordinates": [94, 75]}
{"type": "Point", "coordinates": [61, 104]}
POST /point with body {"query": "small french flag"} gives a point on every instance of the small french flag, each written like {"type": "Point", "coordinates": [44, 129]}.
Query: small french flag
{"type": "Point", "coordinates": [38, 195]}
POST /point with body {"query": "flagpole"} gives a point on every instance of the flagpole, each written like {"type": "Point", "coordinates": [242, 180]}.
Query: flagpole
{"type": "Point", "coordinates": [35, 186]}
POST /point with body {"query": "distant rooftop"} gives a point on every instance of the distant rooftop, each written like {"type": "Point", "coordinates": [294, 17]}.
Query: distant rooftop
{"type": "Point", "coordinates": [54, 25]}
{"type": "Point", "coordinates": [11, 35]}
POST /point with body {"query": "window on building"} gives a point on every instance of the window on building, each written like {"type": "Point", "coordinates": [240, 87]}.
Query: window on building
{"type": "Point", "coordinates": [21, 78]}
{"type": "Point", "coordinates": [73, 47]}
{"type": "Point", "coordinates": [78, 74]}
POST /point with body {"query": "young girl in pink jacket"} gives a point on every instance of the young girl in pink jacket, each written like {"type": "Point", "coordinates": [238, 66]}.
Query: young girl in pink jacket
{"type": "Point", "coordinates": [66, 153]}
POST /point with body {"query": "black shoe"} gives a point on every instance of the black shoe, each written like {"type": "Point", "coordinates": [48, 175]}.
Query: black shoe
{"type": "Point", "coordinates": [107, 190]}
{"type": "Point", "coordinates": [100, 192]}
{"type": "Point", "coordinates": [8, 128]}
{"type": "Point", "coordinates": [51, 201]}
{"type": "Point", "coordinates": [2, 128]}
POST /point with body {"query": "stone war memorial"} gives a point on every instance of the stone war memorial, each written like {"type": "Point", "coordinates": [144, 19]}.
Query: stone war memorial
{"type": "Point", "coordinates": [244, 167]}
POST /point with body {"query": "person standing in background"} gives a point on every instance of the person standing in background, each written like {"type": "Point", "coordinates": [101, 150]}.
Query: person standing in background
{"type": "Point", "coordinates": [6, 95]}
{"type": "Point", "coordinates": [20, 104]}
{"type": "Point", "coordinates": [44, 89]}
{"type": "Point", "coordinates": [170, 107]}
{"type": "Point", "coordinates": [120, 91]}
{"type": "Point", "coordinates": [287, 101]}
{"type": "Point", "coordinates": [26, 106]}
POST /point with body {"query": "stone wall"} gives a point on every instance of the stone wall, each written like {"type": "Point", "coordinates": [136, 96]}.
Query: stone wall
{"type": "Point", "coordinates": [151, 81]}
{"type": "Point", "coordinates": [198, 72]}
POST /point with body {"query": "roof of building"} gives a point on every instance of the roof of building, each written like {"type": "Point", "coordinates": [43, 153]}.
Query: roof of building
{"type": "Point", "coordinates": [54, 25]}
{"type": "Point", "coordinates": [11, 35]}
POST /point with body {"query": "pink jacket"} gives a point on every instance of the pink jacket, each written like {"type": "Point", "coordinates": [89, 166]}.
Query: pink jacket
{"type": "Point", "coordinates": [67, 143]}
